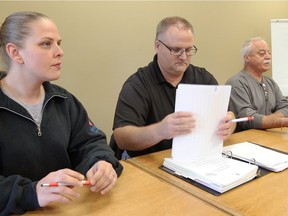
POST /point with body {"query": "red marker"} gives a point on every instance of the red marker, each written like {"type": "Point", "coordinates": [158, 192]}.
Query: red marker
{"type": "Point", "coordinates": [57, 184]}
{"type": "Point", "coordinates": [249, 118]}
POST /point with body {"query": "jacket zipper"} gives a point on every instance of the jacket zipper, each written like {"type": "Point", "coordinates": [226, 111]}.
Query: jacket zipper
{"type": "Point", "coordinates": [39, 133]}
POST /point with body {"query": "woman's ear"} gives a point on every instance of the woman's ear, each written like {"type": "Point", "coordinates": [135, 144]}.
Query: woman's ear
{"type": "Point", "coordinates": [13, 52]}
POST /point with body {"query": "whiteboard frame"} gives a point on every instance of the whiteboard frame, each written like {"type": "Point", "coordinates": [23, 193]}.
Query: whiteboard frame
{"type": "Point", "coordinates": [279, 48]}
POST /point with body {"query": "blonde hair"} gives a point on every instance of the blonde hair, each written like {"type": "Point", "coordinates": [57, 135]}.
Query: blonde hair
{"type": "Point", "coordinates": [176, 21]}
{"type": "Point", "coordinates": [15, 29]}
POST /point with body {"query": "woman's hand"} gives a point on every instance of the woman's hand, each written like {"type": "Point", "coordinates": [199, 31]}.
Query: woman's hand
{"type": "Point", "coordinates": [62, 194]}
{"type": "Point", "coordinates": [102, 177]}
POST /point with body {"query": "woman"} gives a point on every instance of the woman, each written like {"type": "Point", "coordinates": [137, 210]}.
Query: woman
{"type": "Point", "coordinates": [45, 133]}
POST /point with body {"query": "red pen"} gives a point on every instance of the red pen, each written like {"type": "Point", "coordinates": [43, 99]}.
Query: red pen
{"type": "Point", "coordinates": [57, 184]}
{"type": "Point", "coordinates": [249, 118]}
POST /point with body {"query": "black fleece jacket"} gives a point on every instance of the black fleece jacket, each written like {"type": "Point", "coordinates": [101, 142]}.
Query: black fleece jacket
{"type": "Point", "coordinates": [66, 138]}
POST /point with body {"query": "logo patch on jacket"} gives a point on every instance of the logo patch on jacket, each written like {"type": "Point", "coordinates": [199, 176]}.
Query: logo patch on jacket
{"type": "Point", "coordinates": [93, 128]}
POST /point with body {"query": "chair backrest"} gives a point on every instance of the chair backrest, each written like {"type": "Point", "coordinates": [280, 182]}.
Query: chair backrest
{"type": "Point", "coordinates": [117, 151]}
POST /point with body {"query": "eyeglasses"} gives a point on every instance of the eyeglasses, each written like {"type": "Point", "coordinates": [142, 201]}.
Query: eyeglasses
{"type": "Point", "coordinates": [265, 91]}
{"type": "Point", "coordinates": [178, 52]}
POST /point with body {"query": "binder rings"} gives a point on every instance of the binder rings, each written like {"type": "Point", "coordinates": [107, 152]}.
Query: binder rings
{"type": "Point", "coordinates": [261, 156]}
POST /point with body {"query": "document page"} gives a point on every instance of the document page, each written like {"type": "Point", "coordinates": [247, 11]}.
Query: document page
{"type": "Point", "coordinates": [209, 104]}
{"type": "Point", "coordinates": [253, 153]}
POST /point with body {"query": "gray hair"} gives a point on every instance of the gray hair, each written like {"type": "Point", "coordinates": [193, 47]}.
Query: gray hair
{"type": "Point", "coordinates": [247, 47]}
{"type": "Point", "coordinates": [175, 21]}
{"type": "Point", "coordinates": [15, 29]}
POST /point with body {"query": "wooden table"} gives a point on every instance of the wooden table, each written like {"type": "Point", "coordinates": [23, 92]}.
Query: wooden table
{"type": "Point", "coordinates": [267, 195]}
{"type": "Point", "coordinates": [136, 193]}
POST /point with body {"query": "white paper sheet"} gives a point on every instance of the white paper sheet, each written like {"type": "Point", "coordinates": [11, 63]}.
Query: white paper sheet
{"type": "Point", "coordinates": [209, 104]}
{"type": "Point", "coordinates": [261, 156]}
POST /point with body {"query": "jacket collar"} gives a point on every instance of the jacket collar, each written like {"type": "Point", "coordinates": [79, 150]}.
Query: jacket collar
{"type": "Point", "coordinates": [50, 91]}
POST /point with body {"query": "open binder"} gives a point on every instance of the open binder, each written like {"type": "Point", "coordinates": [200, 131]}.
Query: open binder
{"type": "Point", "coordinates": [198, 156]}
{"type": "Point", "coordinates": [261, 156]}
{"type": "Point", "coordinates": [220, 174]}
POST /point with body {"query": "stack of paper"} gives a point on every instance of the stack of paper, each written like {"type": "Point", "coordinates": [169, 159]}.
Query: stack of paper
{"type": "Point", "coordinates": [198, 155]}
{"type": "Point", "coordinates": [219, 173]}
{"type": "Point", "coordinates": [209, 105]}
{"type": "Point", "coordinates": [256, 154]}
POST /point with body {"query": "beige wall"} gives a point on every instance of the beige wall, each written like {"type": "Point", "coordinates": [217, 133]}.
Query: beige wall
{"type": "Point", "coordinates": [106, 41]}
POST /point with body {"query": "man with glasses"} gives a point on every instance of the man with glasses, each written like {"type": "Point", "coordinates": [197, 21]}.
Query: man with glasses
{"type": "Point", "coordinates": [254, 94]}
{"type": "Point", "coordinates": [145, 120]}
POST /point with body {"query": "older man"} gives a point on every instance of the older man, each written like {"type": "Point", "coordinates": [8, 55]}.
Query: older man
{"type": "Point", "coordinates": [254, 94]}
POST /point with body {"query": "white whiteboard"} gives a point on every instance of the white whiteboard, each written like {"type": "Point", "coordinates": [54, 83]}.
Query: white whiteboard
{"type": "Point", "coordinates": [279, 48]}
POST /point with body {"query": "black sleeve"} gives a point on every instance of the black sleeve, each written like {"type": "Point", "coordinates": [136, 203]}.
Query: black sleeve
{"type": "Point", "coordinates": [88, 143]}
{"type": "Point", "coordinates": [18, 195]}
